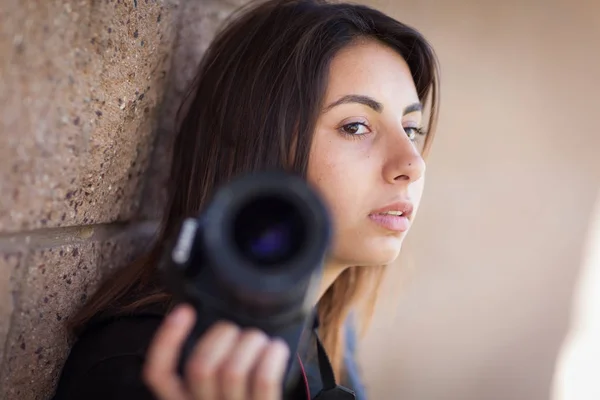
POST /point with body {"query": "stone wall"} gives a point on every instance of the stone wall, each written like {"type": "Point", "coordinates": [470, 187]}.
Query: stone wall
{"type": "Point", "coordinates": [88, 91]}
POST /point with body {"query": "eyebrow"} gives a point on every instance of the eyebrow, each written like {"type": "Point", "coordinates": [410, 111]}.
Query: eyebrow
{"type": "Point", "coordinates": [371, 103]}
{"type": "Point", "coordinates": [414, 107]}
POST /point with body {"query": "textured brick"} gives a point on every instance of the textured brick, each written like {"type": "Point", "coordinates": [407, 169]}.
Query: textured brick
{"type": "Point", "coordinates": [82, 98]}
{"type": "Point", "coordinates": [199, 22]}
{"type": "Point", "coordinates": [58, 282]}
{"type": "Point", "coordinates": [79, 86]}
{"type": "Point", "coordinates": [121, 250]}
{"type": "Point", "coordinates": [10, 266]}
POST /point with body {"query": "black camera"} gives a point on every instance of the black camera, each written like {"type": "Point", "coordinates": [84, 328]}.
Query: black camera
{"type": "Point", "coordinates": [254, 256]}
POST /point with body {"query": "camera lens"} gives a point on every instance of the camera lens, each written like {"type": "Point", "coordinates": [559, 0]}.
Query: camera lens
{"type": "Point", "coordinates": [269, 231]}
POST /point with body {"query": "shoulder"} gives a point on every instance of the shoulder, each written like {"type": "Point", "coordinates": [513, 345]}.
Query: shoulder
{"type": "Point", "coordinates": [107, 359]}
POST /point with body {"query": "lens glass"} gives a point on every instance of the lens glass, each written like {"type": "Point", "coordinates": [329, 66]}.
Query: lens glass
{"type": "Point", "coordinates": [269, 231]}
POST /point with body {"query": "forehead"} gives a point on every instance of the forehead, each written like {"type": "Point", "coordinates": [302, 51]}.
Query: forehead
{"type": "Point", "coordinates": [371, 68]}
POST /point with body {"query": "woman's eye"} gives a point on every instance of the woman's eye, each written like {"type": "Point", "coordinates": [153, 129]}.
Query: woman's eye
{"type": "Point", "coordinates": [355, 128]}
{"type": "Point", "coordinates": [413, 133]}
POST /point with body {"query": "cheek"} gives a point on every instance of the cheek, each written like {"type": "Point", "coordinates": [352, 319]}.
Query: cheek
{"type": "Point", "coordinates": [326, 175]}
{"type": "Point", "coordinates": [331, 172]}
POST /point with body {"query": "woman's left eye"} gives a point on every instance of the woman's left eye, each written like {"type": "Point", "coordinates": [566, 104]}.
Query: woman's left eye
{"type": "Point", "coordinates": [355, 129]}
{"type": "Point", "coordinates": [413, 133]}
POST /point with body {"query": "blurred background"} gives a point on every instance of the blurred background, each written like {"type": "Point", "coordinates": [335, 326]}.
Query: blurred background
{"type": "Point", "coordinates": [512, 179]}
{"type": "Point", "coordinates": [479, 304]}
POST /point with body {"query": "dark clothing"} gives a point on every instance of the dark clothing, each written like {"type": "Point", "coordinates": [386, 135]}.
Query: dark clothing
{"type": "Point", "coordinates": [107, 360]}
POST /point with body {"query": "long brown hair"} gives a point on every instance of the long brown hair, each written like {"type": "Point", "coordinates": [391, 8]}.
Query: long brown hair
{"type": "Point", "coordinates": [257, 95]}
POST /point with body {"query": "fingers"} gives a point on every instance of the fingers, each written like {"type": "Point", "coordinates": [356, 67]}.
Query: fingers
{"type": "Point", "coordinates": [268, 378]}
{"type": "Point", "coordinates": [229, 364]}
{"type": "Point", "coordinates": [237, 369]}
{"type": "Point", "coordinates": [226, 363]}
{"type": "Point", "coordinates": [205, 361]}
{"type": "Point", "coordinates": [161, 365]}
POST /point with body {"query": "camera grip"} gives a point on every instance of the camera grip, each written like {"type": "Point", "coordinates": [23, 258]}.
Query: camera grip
{"type": "Point", "coordinates": [294, 334]}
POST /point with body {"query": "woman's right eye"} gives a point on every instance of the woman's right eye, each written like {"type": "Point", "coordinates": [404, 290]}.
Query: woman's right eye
{"type": "Point", "coordinates": [355, 129]}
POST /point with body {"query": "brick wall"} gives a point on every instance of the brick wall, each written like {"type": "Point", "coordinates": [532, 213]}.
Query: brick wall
{"type": "Point", "coordinates": [88, 91]}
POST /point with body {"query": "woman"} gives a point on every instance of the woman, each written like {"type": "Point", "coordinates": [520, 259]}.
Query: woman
{"type": "Point", "coordinates": [332, 92]}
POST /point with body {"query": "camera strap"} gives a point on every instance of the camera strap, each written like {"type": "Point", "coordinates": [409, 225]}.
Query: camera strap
{"type": "Point", "coordinates": [331, 390]}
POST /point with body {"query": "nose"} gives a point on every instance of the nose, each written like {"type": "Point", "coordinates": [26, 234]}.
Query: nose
{"type": "Point", "coordinates": [404, 162]}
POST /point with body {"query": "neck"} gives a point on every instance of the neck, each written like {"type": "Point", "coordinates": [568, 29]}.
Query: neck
{"type": "Point", "coordinates": [331, 271]}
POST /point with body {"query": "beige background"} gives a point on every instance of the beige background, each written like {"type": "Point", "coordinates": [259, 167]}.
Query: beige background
{"type": "Point", "coordinates": [86, 102]}
{"type": "Point", "coordinates": [511, 183]}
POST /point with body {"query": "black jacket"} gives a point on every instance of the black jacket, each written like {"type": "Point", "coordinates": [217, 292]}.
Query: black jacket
{"type": "Point", "coordinates": [107, 360]}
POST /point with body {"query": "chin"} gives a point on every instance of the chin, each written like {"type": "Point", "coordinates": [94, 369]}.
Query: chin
{"type": "Point", "coordinates": [379, 251]}
{"type": "Point", "coordinates": [384, 256]}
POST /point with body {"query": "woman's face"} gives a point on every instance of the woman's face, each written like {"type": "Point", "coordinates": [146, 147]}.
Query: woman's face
{"type": "Point", "coordinates": [366, 154]}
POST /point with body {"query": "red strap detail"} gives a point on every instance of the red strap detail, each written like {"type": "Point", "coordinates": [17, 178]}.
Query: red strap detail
{"type": "Point", "coordinates": [304, 377]}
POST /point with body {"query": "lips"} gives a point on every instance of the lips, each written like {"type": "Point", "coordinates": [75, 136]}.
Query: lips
{"type": "Point", "coordinates": [400, 208]}
{"type": "Point", "coordinates": [394, 217]}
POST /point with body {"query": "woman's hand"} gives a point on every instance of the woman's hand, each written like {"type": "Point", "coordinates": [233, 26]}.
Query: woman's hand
{"type": "Point", "coordinates": [226, 364]}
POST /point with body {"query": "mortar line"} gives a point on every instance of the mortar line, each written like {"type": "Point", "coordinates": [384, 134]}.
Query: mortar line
{"type": "Point", "coordinates": [52, 237]}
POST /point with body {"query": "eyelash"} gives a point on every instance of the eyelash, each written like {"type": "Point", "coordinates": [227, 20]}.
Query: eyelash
{"type": "Point", "coordinates": [354, 135]}
{"type": "Point", "coordinates": [418, 131]}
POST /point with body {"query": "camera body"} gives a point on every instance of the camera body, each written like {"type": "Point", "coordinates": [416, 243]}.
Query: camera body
{"type": "Point", "coordinates": [254, 256]}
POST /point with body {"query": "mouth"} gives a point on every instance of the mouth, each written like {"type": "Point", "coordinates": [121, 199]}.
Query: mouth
{"type": "Point", "coordinates": [394, 217]}
{"type": "Point", "coordinates": [398, 209]}
{"type": "Point", "coordinates": [396, 213]}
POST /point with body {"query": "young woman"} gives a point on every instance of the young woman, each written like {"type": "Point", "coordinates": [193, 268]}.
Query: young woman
{"type": "Point", "coordinates": [336, 93]}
